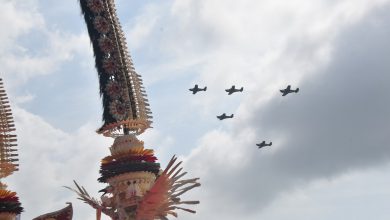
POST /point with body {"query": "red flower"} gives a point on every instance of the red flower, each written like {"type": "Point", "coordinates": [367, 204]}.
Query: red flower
{"type": "Point", "coordinates": [106, 44]}
{"type": "Point", "coordinates": [109, 65]}
{"type": "Point", "coordinates": [113, 90]}
{"type": "Point", "coordinates": [101, 25]}
{"type": "Point", "coordinates": [118, 110]}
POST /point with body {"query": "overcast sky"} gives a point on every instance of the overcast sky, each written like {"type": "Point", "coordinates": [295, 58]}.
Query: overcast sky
{"type": "Point", "coordinates": [330, 157]}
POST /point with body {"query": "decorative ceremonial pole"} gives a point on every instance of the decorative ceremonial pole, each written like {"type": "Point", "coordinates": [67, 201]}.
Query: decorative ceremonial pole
{"type": "Point", "coordinates": [10, 206]}
{"type": "Point", "coordinates": [136, 186]}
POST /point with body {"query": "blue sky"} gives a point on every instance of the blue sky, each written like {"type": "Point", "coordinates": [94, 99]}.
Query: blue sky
{"type": "Point", "coordinates": [330, 158]}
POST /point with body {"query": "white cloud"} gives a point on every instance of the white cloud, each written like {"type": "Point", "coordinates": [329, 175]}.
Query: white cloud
{"type": "Point", "coordinates": [50, 159]}
{"type": "Point", "coordinates": [23, 65]}
{"type": "Point", "coordinates": [143, 26]}
{"type": "Point", "coordinates": [17, 18]}
{"type": "Point", "coordinates": [338, 198]}
{"type": "Point", "coordinates": [29, 47]}
{"type": "Point", "coordinates": [261, 45]}
{"type": "Point", "coordinates": [326, 130]}
{"type": "Point", "coordinates": [160, 142]}
{"type": "Point", "coordinates": [24, 99]}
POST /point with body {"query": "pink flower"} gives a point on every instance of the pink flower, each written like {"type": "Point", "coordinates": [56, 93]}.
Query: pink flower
{"type": "Point", "coordinates": [118, 110]}
{"type": "Point", "coordinates": [101, 25]}
{"type": "Point", "coordinates": [106, 44]}
{"type": "Point", "coordinates": [109, 65]}
{"type": "Point", "coordinates": [95, 6]}
{"type": "Point", "coordinates": [113, 90]}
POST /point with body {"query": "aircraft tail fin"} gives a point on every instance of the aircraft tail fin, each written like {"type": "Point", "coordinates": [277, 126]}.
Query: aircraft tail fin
{"type": "Point", "coordinates": [297, 90]}
{"type": "Point", "coordinates": [205, 88]}
{"type": "Point", "coordinates": [242, 89]}
{"type": "Point", "coordinates": [270, 144]}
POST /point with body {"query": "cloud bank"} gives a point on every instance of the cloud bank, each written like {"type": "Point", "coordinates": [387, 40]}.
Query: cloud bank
{"type": "Point", "coordinates": [328, 136]}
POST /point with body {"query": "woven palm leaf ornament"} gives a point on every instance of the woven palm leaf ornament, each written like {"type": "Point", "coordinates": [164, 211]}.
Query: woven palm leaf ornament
{"type": "Point", "coordinates": [10, 206]}
{"type": "Point", "coordinates": [136, 186]}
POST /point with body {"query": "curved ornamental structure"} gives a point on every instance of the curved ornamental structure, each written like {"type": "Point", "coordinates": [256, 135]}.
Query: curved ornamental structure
{"type": "Point", "coordinates": [63, 214]}
{"type": "Point", "coordinates": [10, 206]}
{"type": "Point", "coordinates": [137, 189]}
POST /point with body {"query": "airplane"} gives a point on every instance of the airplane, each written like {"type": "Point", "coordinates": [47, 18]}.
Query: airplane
{"type": "Point", "coordinates": [288, 90]}
{"type": "Point", "coordinates": [197, 89]}
{"type": "Point", "coordinates": [263, 144]}
{"type": "Point", "coordinates": [233, 90]}
{"type": "Point", "coordinates": [224, 116]}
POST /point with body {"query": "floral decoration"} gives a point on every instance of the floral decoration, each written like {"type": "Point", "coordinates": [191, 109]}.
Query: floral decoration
{"type": "Point", "coordinates": [113, 90]}
{"type": "Point", "coordinates": [95, 6]}
{"type": "Point", "coordinates": [110, 66]}
{"type": "Point", "coordinates": [101, 25]}
{"type": "Point", "coordinates": [106, 44]}
{"type": "Point", "coordinates": [118, 110]}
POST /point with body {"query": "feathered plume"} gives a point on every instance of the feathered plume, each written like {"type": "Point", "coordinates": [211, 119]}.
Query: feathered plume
{"type": "Point", "coordinates": [164, 197]}
{"type": "Point", "coordinates": [85, 197]}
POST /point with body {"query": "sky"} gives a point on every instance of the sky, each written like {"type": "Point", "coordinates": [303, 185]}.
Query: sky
{"type": "Point", "coordinates": [330, 157]}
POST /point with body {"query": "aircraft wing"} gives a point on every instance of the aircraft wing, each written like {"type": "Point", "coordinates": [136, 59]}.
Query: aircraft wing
{"type": "Point", "coordinates": [221, 117]}
{"type": "Point", "coordinates": [193, 90]}
{"type": "Point", "coordinates": [284, 92]}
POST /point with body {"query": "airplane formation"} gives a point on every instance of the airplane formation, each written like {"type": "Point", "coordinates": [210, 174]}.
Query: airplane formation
{"type": "Point", "coordinates": [232, 90]}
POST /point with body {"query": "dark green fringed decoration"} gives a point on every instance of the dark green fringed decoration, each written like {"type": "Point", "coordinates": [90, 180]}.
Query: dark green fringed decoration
{"type": "Point", "coordinates": [125, 107]}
